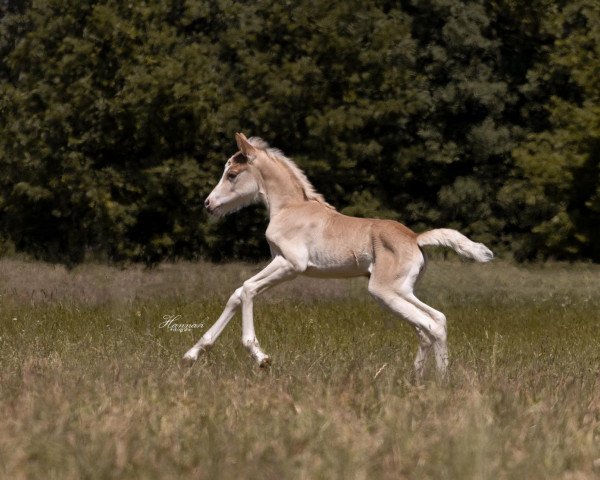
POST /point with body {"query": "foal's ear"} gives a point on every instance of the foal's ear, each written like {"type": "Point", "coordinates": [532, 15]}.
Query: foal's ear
{"type": "Point", "coordinates": [245, 146]}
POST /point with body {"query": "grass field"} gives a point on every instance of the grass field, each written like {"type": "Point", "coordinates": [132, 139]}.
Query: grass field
{"type": "Point", "coordinates": [91, 386]}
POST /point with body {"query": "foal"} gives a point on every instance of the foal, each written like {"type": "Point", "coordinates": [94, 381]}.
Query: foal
{"type": "Point", "coordinates": [308, 236]}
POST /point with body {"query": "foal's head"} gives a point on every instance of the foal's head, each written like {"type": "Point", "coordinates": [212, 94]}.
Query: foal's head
{"type": "Point", "coordinates": [240, 184]}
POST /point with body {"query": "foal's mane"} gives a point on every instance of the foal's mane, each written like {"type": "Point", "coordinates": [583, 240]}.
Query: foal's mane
{"type": "Point", "coordinates": [275, 154]}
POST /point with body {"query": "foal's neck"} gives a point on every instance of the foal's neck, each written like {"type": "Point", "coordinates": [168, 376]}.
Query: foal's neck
{"type": "Point", "coordinates": [281, 187]}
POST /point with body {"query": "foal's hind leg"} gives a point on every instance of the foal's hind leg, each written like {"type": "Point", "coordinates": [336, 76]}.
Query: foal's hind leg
{"type": "Point", "coordinates": [436, 334]}
{"type": "Point", "coordinates": [392, 281]}
{"type": "Point", "coordinates": [425, 344]}
{"type": "Point", "coordinates": [405, 290]}
{"type": "Point", "coordinates": [440, 349]}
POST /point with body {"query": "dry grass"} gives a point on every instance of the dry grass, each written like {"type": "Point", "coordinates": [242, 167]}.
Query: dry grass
{"type": "Point", "coordinates": [91, 386]}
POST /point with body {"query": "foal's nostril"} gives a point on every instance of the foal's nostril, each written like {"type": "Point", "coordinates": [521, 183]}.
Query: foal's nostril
{"type": "Point", "coordinates": [206, 203]}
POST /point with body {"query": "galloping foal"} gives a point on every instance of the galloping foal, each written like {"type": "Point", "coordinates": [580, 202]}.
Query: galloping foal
{"type": "Point", "coordinates": [308, 236]}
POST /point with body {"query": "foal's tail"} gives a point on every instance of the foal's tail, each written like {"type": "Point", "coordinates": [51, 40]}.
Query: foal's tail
{"type": "Point", "coordinates": [447, 237]}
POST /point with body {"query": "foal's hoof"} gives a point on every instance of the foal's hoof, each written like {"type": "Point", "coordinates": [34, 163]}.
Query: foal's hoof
{"type": "Point", "coordinates": [265, 362]}
{"type": "Point", "coordinates": [191, 356]}
{"type": "Point", "coordinates": [187, 361]}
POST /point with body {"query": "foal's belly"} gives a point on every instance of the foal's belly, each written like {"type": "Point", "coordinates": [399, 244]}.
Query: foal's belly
{"type": "Point", "coordinates": [338, 266]}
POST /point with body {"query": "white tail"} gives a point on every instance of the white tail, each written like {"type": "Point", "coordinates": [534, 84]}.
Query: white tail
{"type": "Point", "coordinates": [447, 237]}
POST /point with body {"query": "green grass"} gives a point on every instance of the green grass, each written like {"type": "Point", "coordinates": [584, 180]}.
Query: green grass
{"type": "Point", "coordinates": [91, 387]}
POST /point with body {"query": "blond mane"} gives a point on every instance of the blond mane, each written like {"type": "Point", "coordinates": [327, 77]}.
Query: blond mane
{"type": "Point", "coordinates": [275, 154]}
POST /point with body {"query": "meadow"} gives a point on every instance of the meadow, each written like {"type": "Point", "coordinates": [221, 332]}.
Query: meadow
{"type": "Point", "coordinates": [91, 385]}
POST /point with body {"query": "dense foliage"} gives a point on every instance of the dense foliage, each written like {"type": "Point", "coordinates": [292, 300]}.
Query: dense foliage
{"type": "Point", "coordinates": [116, 119]}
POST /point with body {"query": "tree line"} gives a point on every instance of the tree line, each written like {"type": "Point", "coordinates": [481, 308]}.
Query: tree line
{"type": "Point", "coordinates": [116, 119]}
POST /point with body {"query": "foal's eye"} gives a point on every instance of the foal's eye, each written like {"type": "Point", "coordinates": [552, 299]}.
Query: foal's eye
{"type": "Point", "coordinates": [231, 176]}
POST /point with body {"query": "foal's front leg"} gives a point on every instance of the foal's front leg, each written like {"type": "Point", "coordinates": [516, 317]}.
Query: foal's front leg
{"type": "Point", "coordinates": [279, 270]}
{"type": "Point", "coordinates": [213, 332]}
{"type": "Point", "coordinates": [276, 272]}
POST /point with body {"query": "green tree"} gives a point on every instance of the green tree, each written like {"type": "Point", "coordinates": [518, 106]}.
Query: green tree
{"type": "Point", "coordinates": [466, 135]}
{"type": "Point", "coordinates": [102, 118]}
{"type": "Point", "coordinates": [333, 85]}
{"type": "Point", "coordinates": [558, 193]}
{"type": "Point", "coordinates": [116, 119]}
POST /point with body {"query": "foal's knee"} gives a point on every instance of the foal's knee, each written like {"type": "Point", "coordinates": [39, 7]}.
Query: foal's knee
{"type": "Point", "coordinates": [248, 292]}
{"type": "Point", "coordinates": [236, 298]}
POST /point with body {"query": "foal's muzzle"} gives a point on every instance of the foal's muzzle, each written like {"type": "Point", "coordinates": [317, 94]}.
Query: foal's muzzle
{"type": "Point", "coordinates": [208, 206]}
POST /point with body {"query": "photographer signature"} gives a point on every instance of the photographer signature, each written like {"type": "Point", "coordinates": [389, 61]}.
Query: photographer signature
{"type": "Point", "coordinates": [170, 323]}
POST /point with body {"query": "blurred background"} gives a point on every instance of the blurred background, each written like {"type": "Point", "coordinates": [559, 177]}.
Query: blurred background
{"type": "Point", "coordinates": [116, 119]}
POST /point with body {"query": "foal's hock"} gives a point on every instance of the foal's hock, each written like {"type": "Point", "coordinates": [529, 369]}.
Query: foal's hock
{"type": "Point", "coordinates": [309, 237]}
